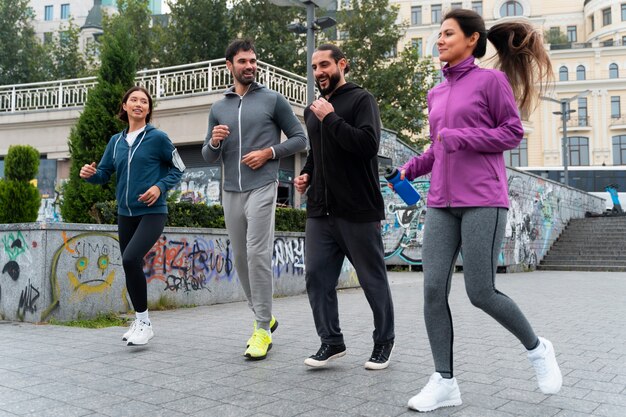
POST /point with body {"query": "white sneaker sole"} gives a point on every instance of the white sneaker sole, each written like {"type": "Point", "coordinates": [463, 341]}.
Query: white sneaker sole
{"type": "Point", "coordinates": [318, 364]}
{"type": "Point", "coordinates": [132, 342]}
{"type": "Point", "coordinates": [449, 403]}
{"type": "Point", "coordinates": [378, 366]}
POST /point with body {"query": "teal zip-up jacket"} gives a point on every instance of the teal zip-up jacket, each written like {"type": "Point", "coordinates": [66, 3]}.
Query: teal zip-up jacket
{"type": "Point", "coordinates": [255, 121]}
{"type": "Point", "coordinates": [152, 160]}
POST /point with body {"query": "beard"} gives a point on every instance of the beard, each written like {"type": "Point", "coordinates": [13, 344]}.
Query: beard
{"type": "Point", "coordinates": [333, 80]}
{"type": "Point", "coordinates": [243, 80]}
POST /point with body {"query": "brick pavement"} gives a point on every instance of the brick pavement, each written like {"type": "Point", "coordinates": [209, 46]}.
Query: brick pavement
{"type": "Point", "coordinates": [194, 366]}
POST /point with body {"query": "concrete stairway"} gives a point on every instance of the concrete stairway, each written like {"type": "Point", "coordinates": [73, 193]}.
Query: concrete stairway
{"type": "Point", "coordinates": [589, 244]}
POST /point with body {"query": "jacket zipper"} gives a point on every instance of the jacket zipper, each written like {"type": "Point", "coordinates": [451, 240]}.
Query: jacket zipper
{"type": "Point", "coordinates": [446, 159]}
{"type": "Point", "coordinates": [240, 138]}
{"type": "Point", "coordinates": [130, 148]}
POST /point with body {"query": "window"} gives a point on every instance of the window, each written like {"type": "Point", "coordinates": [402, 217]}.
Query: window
{"type": "Point", "coordinates": [578, 150]}
{"type": "Point", "coordinates": [517, 157]}
{"type": "Point", "coordinates": [571, 34]}
{"type": "Point", "coordinates": [65, 11]}
{"type": "Point", "coordinates": [606, 17]}
{"type": "Point", "coordinates": [416, 15]}
{"type": "Point", "coordinates": [623, 12]}
{"type": "Point", "coordinates": [582, 111]}
{"type": "Point", "coordinates": [615, 107]}
{"type": "Point", "coordinates": [435, 13]}
{"type": "Point", "coordinates": [435, 51]}
{"type": "Point", "coordinates": [592, 23]}
{"type": "Point", "coordinates": [511, 8]}
{"type": "Point", "coordinates": [416, 43]}
{"type": "Point", "coordinates": [563, 74]}
{"type": "Point", "coordinates": [477, 6]}
{"type": "Point", "coordinates": [619, 150]}
{"type": "Point", "coordinates": [580, 72]}
{"type": "Point", "coordinates": [48, 12]}
{"type": "Point", "coordinates": [456, 6]}
{"type": "Point", "coordinates": [613, 71]}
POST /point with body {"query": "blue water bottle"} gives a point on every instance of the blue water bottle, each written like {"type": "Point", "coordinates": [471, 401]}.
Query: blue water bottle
{"type": "Point", "coordinates": [403, 187]}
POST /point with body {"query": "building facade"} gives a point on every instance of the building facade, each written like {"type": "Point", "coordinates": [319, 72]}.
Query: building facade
{"type": "Point", "coordinates": [587, 45]}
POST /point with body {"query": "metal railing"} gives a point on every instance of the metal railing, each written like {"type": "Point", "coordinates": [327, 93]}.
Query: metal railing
{"type": "Point", "coordinates": [176, 81]}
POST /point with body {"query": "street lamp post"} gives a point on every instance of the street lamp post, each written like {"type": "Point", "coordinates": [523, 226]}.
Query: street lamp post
{"type": "Point", "coordinates": [312, 25]}
{"type": "Point", "coordinates": [564, 113]}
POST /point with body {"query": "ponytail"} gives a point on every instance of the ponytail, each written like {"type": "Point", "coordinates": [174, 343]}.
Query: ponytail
{"type": "Point", "coordinates": [523, 58]}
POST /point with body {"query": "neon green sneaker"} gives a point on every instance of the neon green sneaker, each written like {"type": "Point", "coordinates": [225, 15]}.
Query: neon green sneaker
{"type": "Point", "coordinates": [260, 344]}
{"type": "Point", "coordinates": [273, 326]}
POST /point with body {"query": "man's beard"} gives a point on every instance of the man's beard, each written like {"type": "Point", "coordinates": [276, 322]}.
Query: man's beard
{"type": "Point", "coordinates": [243, 80]}
{"type": "Point", "coordinates": [333, 80]}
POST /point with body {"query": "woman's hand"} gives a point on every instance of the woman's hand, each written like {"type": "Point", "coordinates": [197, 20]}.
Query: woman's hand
{"type": "Point", "coordinates": [87, 171]}
{"type": "Point", "coordinates": [151, 196]}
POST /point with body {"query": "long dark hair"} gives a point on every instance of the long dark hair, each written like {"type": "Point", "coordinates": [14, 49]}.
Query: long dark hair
{"type": "Point", "coordinates": [521, 54]}
{"type": "Point", "coordinates": [122, 115]}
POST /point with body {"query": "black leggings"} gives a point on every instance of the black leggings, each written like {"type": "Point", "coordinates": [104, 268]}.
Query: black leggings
{"type": "Point", "coordinates": [137, 235]}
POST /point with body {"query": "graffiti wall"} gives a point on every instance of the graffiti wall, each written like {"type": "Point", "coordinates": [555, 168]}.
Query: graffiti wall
{"type": "Point", "coordinates": [66, 270]}
{"type": "Point", "coordinates": [539, 210]}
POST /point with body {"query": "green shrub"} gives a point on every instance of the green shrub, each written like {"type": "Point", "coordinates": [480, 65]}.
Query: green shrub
{"type": "Point", "coordinates": [186, 214]}
{"type": "Point", "coordinates": [21, 163]}
{"type": "Point", "coordinates": [19, 198]}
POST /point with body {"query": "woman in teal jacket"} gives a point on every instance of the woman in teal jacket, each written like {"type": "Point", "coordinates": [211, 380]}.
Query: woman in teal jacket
{"type": "Point", "coordinates": [147, 166]}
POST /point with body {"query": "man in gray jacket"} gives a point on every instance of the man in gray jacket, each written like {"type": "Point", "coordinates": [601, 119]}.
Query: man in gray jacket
{"type": "Point", "coordinates": [244, 131]}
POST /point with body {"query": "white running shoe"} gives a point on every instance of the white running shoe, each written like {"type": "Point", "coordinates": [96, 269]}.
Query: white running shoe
{"type": "Point", "coordinates": [130, 331]}
{"type": "Point", "coordinates": [543, 359]}
{"type": "Point", "coordinates": [142, 334]}
{"type": "Point", "coordinates": [439, 392]}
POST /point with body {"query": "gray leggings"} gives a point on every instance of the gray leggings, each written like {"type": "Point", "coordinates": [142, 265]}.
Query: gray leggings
{"type": "Point", "coordinates": [480, 229]}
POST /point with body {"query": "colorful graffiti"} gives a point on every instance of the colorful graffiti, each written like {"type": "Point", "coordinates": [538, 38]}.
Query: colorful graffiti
{"type": "Point", "coordinates": [288, 256]}
{"type": "Point", "coordinates": [539, 210]}
{"type": "Point", "coordinates": [16, 258]}
{"type": "Point", "coordinates": [201, 185]}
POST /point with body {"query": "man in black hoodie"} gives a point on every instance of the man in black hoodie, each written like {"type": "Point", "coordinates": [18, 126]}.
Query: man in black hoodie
{"type": "Point", "coordinates": [344, 207]}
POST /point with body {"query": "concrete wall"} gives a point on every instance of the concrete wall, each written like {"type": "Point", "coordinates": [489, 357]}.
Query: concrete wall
{"type": "Point", "coordinates": [539, 210]}
{"type": "Point", "coordinates": [63, 270]}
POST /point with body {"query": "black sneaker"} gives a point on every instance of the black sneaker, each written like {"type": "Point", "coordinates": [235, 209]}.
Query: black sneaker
{"type": "Point", "coordinates": [324, 354]}
{"type": "Point", "coordinates": [380, 356]}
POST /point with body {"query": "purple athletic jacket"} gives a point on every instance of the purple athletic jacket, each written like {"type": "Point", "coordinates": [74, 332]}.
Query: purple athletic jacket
{"type": "Point", "coordinates": [474, 114]}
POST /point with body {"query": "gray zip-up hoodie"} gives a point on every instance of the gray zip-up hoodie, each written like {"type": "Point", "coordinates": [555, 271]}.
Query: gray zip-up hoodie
{"type": "Point", "coordinates": [255, 121]}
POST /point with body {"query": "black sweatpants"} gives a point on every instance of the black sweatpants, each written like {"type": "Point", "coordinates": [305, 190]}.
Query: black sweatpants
{"type": "Point", "coordinates": [137, 235]}
{"type": "Point", "coordinates": [328, 241]}
{"type": "Point", "coordinates": [478, 232]}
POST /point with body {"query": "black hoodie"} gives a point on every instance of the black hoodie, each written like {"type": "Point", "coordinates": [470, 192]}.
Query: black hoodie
{"type": "Point", "coordinates": [343, 158]}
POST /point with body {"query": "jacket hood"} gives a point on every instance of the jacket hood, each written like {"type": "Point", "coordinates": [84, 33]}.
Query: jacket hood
{"type": "Point", "coordinates": [148, 128]}
{"type": "Point", "coordinates": [253, 86]}
{"type": "Point", "coordinates": [347, 87]}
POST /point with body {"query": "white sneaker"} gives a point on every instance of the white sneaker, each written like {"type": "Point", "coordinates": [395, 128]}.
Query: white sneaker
{"type": "Point", "coordinates": [130, 331]}
{"type": "Point", "coordinates": [439, 392]}
{"type": "Point", "coordinates": [142, 334]}
{"type": "Point", "coordinates": [549, 376]}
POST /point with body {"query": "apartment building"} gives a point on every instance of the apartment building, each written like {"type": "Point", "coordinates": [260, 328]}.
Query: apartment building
{"type": "Point", "coordinates": [588, 51]}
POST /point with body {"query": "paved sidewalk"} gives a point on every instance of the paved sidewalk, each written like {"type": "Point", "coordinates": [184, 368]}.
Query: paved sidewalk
{"type": "Point", "coordinates": [195, 365]}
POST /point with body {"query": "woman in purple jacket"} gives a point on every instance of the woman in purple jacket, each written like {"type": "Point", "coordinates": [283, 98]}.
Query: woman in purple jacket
{"type": "Point", "coordinates": [474, 118]}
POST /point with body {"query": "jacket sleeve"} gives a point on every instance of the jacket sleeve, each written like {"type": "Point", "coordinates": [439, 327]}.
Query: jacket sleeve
{"type": "Point", "coordinates": [507, 133]}
{"type": "Point", "coordinates": [175, 164]}
{"type": "Point", "coordinates": [209, 153]}
{"type": "Point", "coordinates": [286, 119]}
{"type": "Point", "coordinates": [419, 165]}
{"type": "Point", "coordinates": [106, 166]}
{"type": "Point", "coordinates": [363, 138]}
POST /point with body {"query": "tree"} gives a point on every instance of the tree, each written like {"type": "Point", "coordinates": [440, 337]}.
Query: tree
{"type": "Point", "coordinates": [400, 85]}
{"type": "Point", "coordinates": [266, 24]}
{"type": "Point", "coordinates": [555, 37]}
{"type": "Point", "coordinates": [98, 122]}
{"type": "Point", "coordinates": [139, 19]}
{"type": "Point", "coordinates": [19, 198]}
{"type": "Point", "coordinates": [21, 54]}
{"type": "Point", "coordinates": [66, 59]}
{"type": "Point", "coordinates": [199, 30]}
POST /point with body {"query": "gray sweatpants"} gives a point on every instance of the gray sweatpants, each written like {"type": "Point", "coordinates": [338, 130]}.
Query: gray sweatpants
{"type": "Point", "coordinates": [478, 232]}
{"type": "Point", "coordinates": [329, 240]}
{"type": "Point", "coordinates": [249, 218]}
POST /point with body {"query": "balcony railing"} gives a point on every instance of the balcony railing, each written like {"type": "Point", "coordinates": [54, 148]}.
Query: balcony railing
{"type": "Point", "coordinates": [618, 120]}
{"type": "Point", "coordinates": [578, 122]}
{"type": "Point", "coordinates": [570, 45]}
{"type": "Point", "coordinates": [177, 81]}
